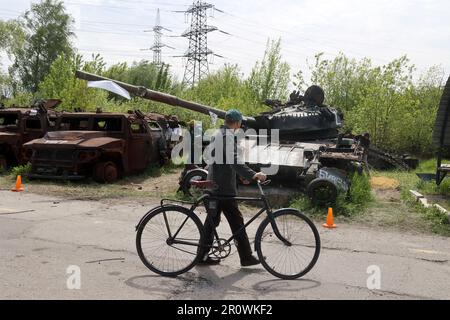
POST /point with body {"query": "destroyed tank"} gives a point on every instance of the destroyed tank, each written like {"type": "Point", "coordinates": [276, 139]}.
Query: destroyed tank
{"type": "Point", "coordinates": [302, 119]}
{"type": "Point", "coordinates": [310, 156]}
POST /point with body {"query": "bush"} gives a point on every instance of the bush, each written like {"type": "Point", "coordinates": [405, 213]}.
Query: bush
{"type": "Point", "coordinates": [21, 171]}
{"type": "Point", "coordinates": [361, 190]}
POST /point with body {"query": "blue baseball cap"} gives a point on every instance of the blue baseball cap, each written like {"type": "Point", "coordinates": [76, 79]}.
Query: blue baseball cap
{"type": "Point", "coordinates": [233, 115]}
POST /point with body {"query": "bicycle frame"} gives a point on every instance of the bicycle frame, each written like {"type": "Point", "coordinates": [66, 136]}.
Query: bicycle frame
{"type": "Point", "coordinates": [266, 208]}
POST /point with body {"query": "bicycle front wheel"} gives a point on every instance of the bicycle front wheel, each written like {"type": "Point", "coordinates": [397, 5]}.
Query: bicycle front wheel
{"type": "Point", "coordinates": [168, 240]}
{"type": "Point", "coordinates": [288, 260]}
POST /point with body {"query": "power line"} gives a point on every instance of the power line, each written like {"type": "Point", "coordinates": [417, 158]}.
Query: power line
{"type": "Point", "coordinates": [197, 65]}
{"type": "Point", "coordinates": [157, 44]}
{"type": "Point", "coordinates": [109, 32]}
{"type": "Point", "coordinates": [249, 23]}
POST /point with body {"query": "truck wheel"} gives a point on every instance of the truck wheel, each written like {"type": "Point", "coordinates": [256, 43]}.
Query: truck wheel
{"type": "Point", "coordinates": [111, 172]}
{"type": "Point", "coordinates": [106, 172]}
{"type": "Point", "coordinates": [322, 192]}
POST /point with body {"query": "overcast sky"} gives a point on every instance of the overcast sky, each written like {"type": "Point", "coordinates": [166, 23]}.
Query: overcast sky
{"type": "Point", "coordinates": [379, 29]}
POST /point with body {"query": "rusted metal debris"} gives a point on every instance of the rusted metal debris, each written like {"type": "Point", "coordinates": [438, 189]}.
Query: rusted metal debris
{"type": "Point", "coordinates": [19, 125]}
{"type": "Point", "coordinates": [102, 145]}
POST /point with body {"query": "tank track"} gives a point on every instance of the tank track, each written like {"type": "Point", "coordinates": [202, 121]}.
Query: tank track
{"type": "Point", "coordinates": [383, 160]}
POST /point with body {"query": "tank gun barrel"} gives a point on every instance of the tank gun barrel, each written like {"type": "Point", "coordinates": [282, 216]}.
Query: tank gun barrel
{"type": "Point", "coordinates": [159, 96]}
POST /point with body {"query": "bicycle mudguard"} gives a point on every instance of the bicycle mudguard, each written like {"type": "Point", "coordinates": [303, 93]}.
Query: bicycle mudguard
{"type": "Point", "coordinates": [145, 216]}
{"type": "Point", "coordinates": [150, 212]}
{"type": "Point", "coordinates": [274, 213]}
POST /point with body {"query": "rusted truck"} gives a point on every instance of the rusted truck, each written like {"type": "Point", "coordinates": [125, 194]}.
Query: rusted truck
{"type": "Point", "coordinates": [19, 125]}
{"type": "Point", "coordinates": [104, 146]}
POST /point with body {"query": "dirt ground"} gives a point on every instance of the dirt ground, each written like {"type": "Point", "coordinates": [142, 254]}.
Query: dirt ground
{"type": "Point", "coordinates": [386, 190]}
{"type": "Point", "coordinates": [384, 183]}
{"type": "Point", "coordinates": [152, 186]}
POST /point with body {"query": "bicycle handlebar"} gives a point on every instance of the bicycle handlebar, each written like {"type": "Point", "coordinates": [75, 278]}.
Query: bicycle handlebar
{"type": "Point", "coordinates": [261, 184]}
{"type": "Point", "coordinates": [265, 183]}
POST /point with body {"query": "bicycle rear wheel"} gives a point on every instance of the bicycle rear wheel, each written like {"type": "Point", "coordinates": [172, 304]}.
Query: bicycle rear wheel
{"type": "Point", "coordinates": [169, 239]}
{"type": "Point", "coordinates": [288, 261]}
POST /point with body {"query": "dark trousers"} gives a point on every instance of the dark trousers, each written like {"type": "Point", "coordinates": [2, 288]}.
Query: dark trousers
{"type": "Point", "coordinates": [236, 221]}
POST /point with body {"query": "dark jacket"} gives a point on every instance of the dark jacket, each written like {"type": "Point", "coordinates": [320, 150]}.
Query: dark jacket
{"type": "Point", "coordinates": [224, 175]}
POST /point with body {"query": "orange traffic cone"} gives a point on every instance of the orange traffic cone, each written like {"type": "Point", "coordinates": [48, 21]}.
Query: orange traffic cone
{"type": "Point", "coordinates": [18, 187]}
{"type": "Point", "coordinates": [330, 220]}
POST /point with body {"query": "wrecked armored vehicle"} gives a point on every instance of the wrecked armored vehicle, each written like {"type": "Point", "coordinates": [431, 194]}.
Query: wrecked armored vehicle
{"type": "Point", "coordinates": [319, 169]}
{"type": "Point", "coordinates": [102, 145]}
{"type": "Point", "coordinates": [21, 125]}
{"type": "Point", "coordinates": [310, 153]}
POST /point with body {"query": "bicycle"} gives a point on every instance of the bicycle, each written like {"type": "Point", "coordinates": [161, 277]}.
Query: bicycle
{"type": "Point", "coordinates": [169, 238]}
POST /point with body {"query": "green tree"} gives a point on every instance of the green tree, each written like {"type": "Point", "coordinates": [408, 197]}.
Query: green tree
{"type": "Point", "coordinates": [269, 78]}
{"type": "Point", "coordinates": [60, 83]}
{"type": "Point", "coordinates": [11, 36]}
{"type": "Point", "coordinates": [142, 73]}
{"type": "Point", "coordinates": [226, 89]}
{"type": "Point", "coordinates": [11, 39]}
{"type": "Point", "coordinates": [386, 101]}
{"type": "Point", "coordinates": [5, 85]}
{"type": "Point", "coordinates": [47, 35]}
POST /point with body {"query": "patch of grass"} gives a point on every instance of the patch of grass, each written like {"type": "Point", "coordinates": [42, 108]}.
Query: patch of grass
{"type": "Point", "coordinates": [425, 219]}
{"type": "Point", "coordinates": [430, 187]}
{"type": "Point", "coordinates": [437, 220]}
{"type": "Point", "coordinates": [428, 166]}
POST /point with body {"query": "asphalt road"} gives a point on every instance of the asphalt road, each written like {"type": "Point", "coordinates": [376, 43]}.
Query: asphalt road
{"type": "Point", "coordinates": [41, 237]}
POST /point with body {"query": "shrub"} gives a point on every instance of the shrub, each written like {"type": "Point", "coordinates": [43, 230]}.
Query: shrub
{"type": "Point", "coordinates": [21, 171]}
{"type": "Point", "coordinates": [361, 190]}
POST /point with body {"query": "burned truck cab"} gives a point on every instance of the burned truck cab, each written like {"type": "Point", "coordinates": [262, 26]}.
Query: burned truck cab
{"type": "Point", "coordinates": [21, 125]}
{"type": "Point", "coordinates": [100, 145]}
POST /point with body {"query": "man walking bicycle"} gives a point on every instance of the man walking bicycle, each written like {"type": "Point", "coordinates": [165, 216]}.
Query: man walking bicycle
{"type": "Point", "coordinates": [223, 176]}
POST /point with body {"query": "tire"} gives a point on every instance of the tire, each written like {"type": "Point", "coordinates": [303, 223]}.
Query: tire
{"type": "Point", "coordinates": [153, 225]}
{"type": "Point", "coordinates": [322, 192]}
{"type": "Point", "coordinates": [195, 174]}
{"type": "Point", "coordinates": [111, 172]}
{"type": "Point", "coordinates": [106, 172]}
{"type": "Point", "coordinates": [269, 247]}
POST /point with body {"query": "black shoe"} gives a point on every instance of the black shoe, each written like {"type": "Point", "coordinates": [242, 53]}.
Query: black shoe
{"type": "Point", "coordinates": [250, 261]}
{"type": "Point", "coordinates": [210, 261]}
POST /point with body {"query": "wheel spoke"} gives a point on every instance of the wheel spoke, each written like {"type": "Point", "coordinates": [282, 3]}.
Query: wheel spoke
{"type": "Point", "coordinates": [288, 262]}
{"type": "Point", "coordinates": [155, 246]}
